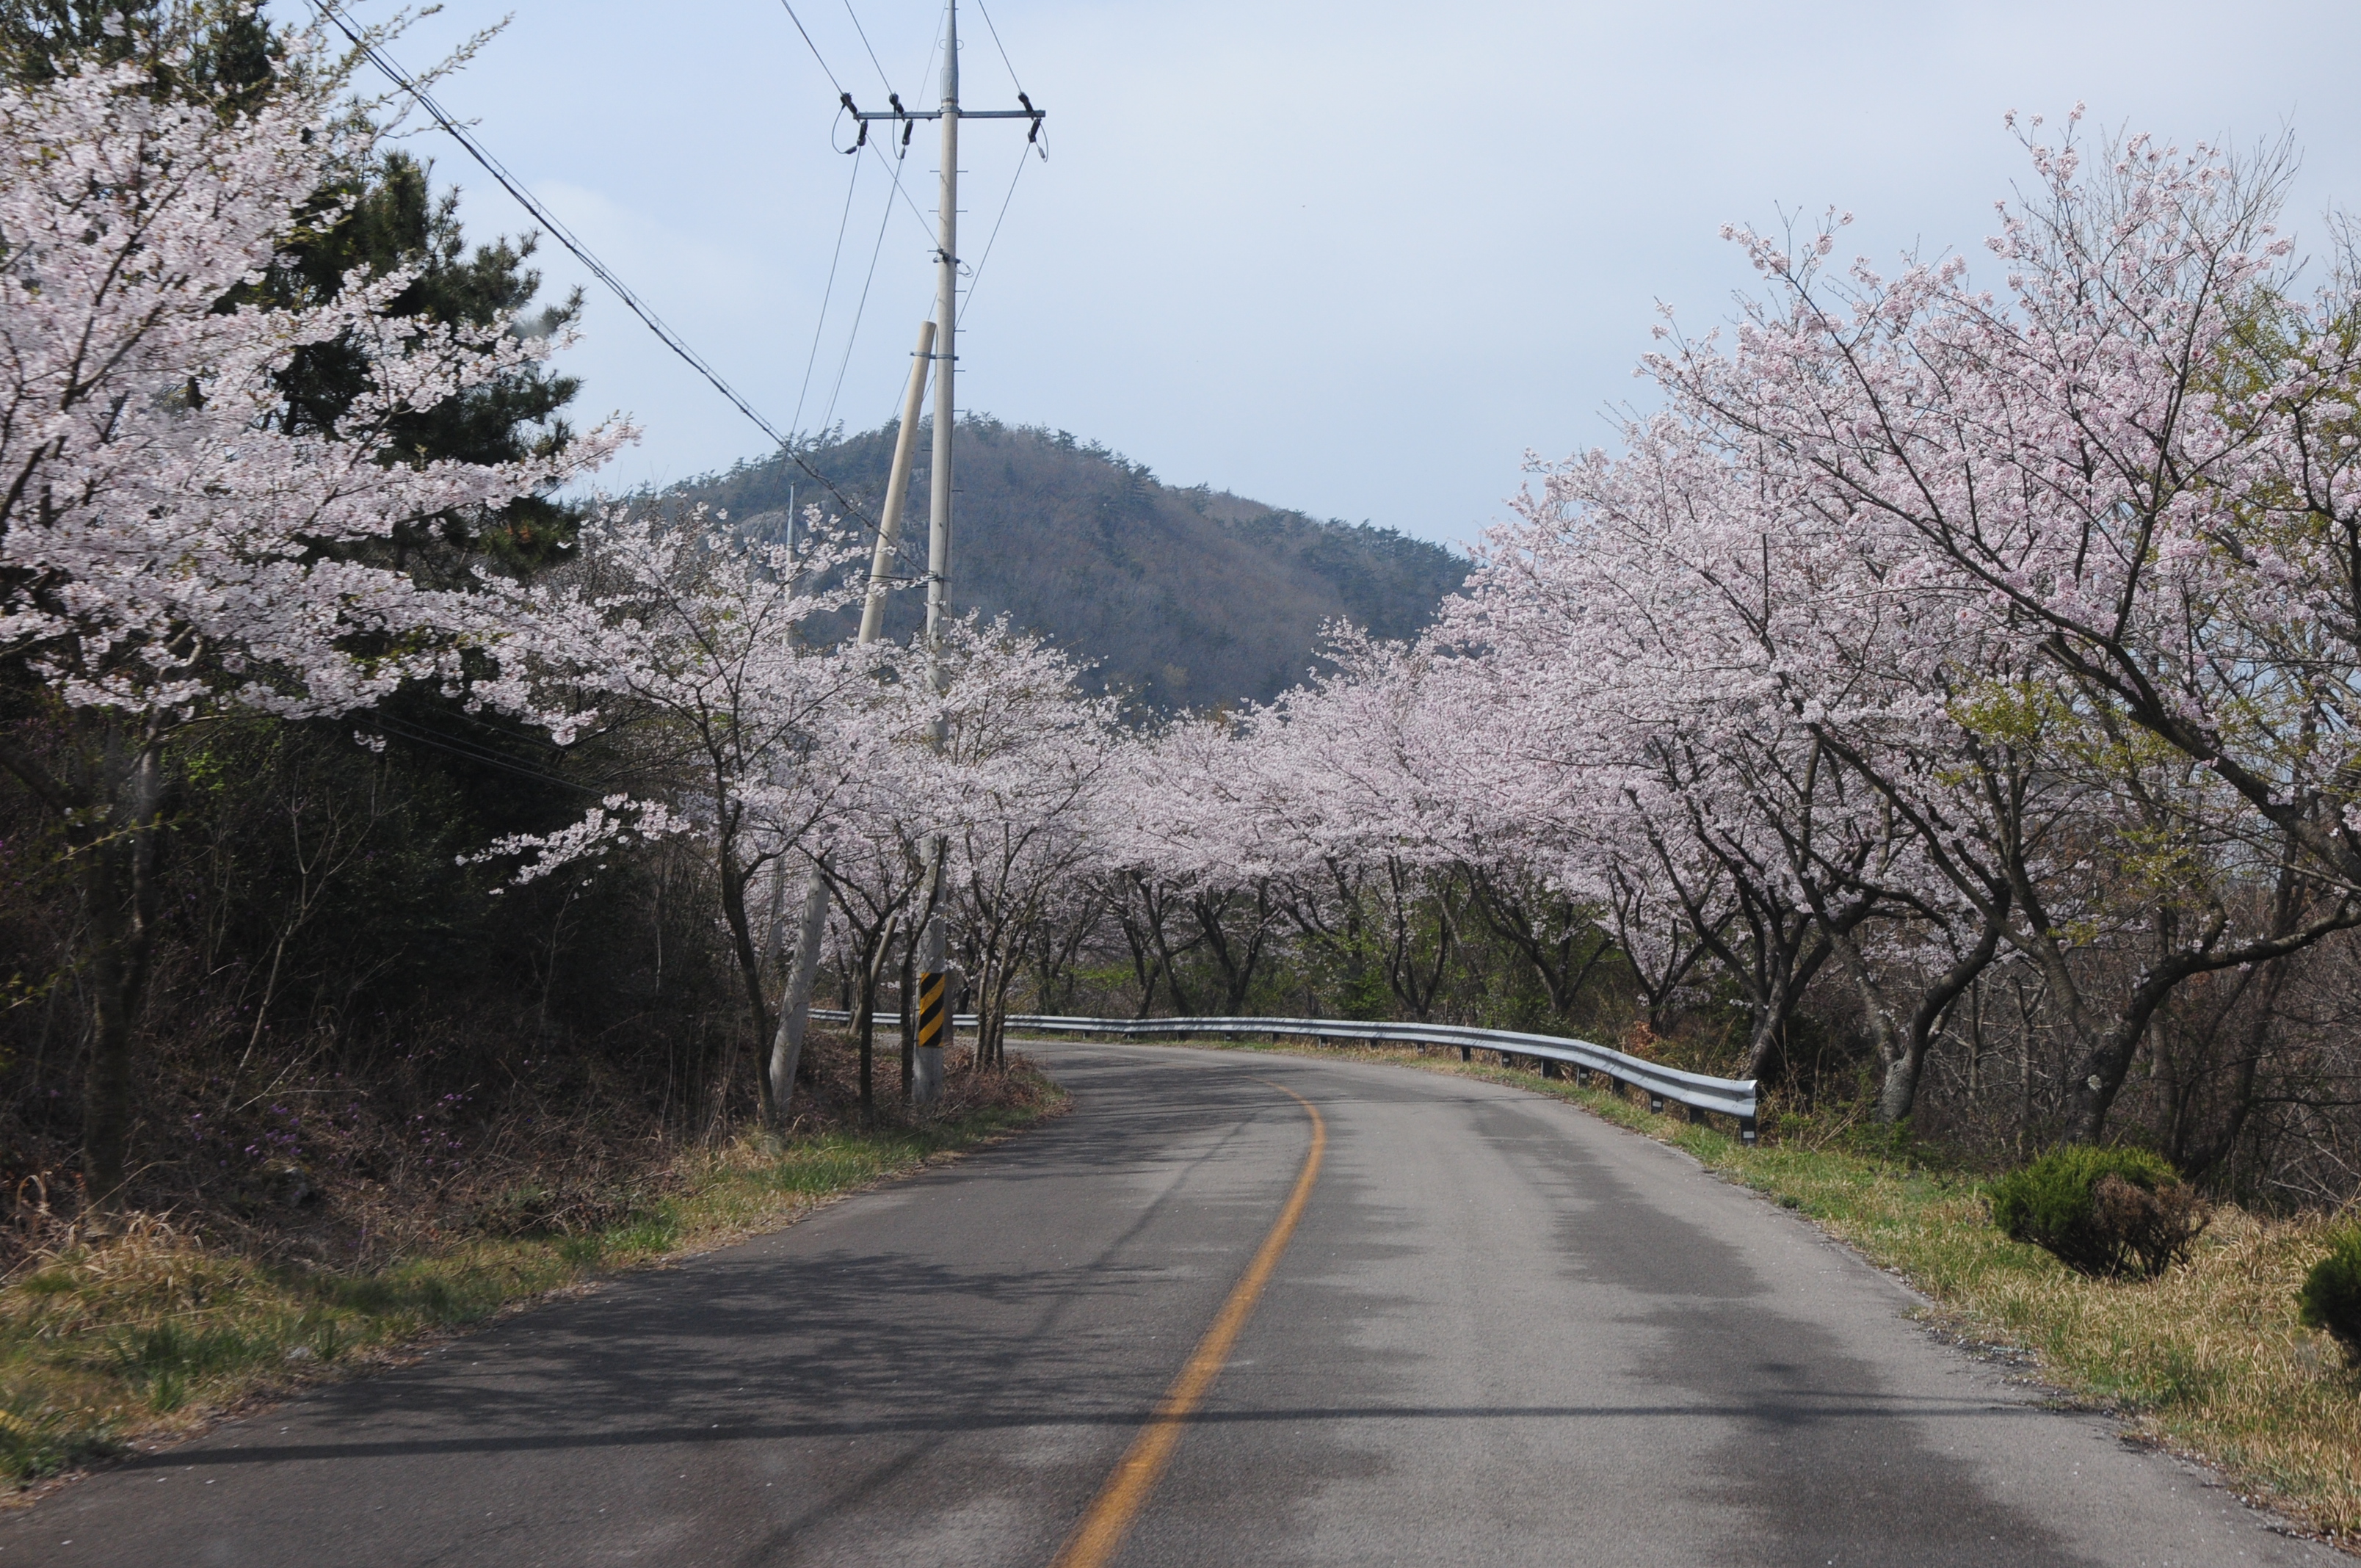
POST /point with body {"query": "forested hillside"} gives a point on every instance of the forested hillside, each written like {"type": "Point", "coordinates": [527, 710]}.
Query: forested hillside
{"type": "Point", "coordinates": [1186, 598]}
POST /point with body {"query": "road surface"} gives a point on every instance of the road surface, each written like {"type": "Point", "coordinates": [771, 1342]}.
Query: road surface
{"type": "Point", "coordinates": [1490, 1330]}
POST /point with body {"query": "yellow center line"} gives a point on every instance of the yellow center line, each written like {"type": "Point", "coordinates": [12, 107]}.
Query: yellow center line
{"type": "Point", "coordinates": [1126, 1491]}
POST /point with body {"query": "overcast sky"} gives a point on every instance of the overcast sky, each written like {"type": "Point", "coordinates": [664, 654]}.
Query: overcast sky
{"type": "Point", "coordinates": [1351, 259]}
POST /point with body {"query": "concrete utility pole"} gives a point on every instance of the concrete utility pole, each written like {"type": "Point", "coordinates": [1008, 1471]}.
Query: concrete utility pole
{"type": "Point", "coordinates": [934, 941]}
{"type": "Point", "coordinates": [795, 1008]}
{"type": "Point", "coordinates": [934, 945]}
{"type": "Point", "coordinates": [897, 489]}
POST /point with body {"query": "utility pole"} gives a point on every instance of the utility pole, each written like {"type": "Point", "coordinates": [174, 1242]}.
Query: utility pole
{"type": "Point", "coordinates": [933, 940]}
{"type": "Point", "coordinates": [934, 946]}
{"type": "Point", "coordinates": [897, 487]}
{"type": "Point", "coordinates": [795, 1008]}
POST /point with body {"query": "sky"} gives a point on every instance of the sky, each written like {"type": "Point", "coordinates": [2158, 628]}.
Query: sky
{"type": "Point", "coordinates": [1354, 260]}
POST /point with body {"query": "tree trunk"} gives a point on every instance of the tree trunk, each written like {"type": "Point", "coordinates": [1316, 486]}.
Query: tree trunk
{"type": "Point", "coordinates": [1901, 1050]}
{"type": "Point", "coordinates": [119, 881]}
{"type": "Point", "coordinates": [750, 972]}
{"type": "Point", "coordinates": [868, 1051]}
{"type": "Point", "coordinates": [2106, 1059]}
{"type": "Point", "coordinates": [1899, 1093]}
{"type": "Point", "coordinates": [999, 997]}
{"type": "Point", "coordinates": [909, 1015]}
{"type": "Point", "coordinates": [795, 1008]}
{"type": "Point", "coordinates": [872, 969]}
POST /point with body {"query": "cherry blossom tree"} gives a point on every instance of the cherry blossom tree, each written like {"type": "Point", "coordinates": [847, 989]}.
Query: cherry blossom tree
{"type": "Point", "coordinates": [2138, 461]}
{"type": "Point", "coordinates": [1926, 629]}
{"type": "Point", "coordinates": [694, 640]}
{"type": "Point", "coordinates": [1190, 869]}
{"type": "Point", "coordinates": [170, 550]}
{"type": "Point", "coordinates": [1015, 790]}
{"type": "Point", "coordinates": [870, 854]}
{"type": "Point", "coordinates": [1633, 614]}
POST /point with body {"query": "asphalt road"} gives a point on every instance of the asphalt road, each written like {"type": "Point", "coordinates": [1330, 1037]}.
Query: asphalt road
{"type": "Point", "coordinates": [1503, 1332]}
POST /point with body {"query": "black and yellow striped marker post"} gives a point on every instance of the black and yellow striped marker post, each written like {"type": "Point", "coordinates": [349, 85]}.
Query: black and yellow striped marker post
{"type": "Point", "coordinates": [930, 1011]}
{"type": "Point", "coordinates": [927, 1061]}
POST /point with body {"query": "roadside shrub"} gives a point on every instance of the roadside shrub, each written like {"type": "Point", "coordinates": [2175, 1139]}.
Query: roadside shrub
{"type": "Point", "coordinates": [2331, 1297]}
{"type": "Point", "coordinates": [2104, 1212]}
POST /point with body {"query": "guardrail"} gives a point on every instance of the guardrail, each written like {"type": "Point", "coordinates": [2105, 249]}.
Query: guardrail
{"type": "Point", "coordinates": [1694, 1092]}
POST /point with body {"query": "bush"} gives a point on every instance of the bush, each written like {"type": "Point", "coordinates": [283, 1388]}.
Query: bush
{"type": "Point", "coordinates": [2331, 1297]}
{"type": "Point", "coordinates": [2103, 1211]}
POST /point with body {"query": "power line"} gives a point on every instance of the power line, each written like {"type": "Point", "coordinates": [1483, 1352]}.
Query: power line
{"type": "Point", "coordinates": [798, 21]}
{"type": "Point", "coordinates": [581, 252]}
{"type": "Point", "coordinates": [864, 44]}
{"type": "Point", "coordinates": [845, 98]}
{"type": "Point", "coordinates": [998, 45]}
{"type": "Point", "coordinates": [843, 222]}
{"type": "Point", "coordinates": [896, 167]}
{"type": "Point", "coordinates": [975, 278]}
{"type": "Point", "coordinates": [934, 47]}
{"type": "Point", "coordinates": [861, 309]}
{"type": "Point", "coordinates": [469, 753]}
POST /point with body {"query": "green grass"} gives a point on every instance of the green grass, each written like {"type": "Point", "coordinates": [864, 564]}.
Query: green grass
{"type": "Point", "coordinates": [2209, 1360]}
{"type": "Point", "coordinates": [154, 1331]}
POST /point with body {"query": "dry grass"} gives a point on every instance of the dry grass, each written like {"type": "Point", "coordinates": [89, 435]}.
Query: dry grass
{"type": "Point", "coordinates": [161, 1329]}
{"type": "Point", "coordinates": [2207, 1360]}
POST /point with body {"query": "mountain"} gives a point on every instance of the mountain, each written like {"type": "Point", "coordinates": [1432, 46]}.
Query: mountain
{"type": "Point", "coordinates": [1186, 598]}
